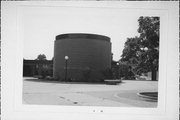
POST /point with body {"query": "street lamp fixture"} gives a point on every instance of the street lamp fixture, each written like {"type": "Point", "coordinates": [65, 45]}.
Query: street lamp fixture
{"type": "Point", "coordinates": [66, 59]}
{"type": "Point", "coordinates": [145, 49]}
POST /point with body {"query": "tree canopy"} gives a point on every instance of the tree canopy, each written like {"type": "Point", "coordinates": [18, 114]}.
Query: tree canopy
{"type": "Point", "coordinates": [142, 52]}
{"type": "Point", "coordinates": [41, 57]}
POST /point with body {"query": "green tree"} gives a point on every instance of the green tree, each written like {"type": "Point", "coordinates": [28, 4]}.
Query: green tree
{"type": "Point", "coordinates": [41, 67]}
{"type": "Point", "coordinates": [125, 71]}
{"type": "Point", "coordinates": [41, 57]}
{"type": "Point", "coordinates": [142, 52]}
{"type": "Point", "coordinates": [131, 51]}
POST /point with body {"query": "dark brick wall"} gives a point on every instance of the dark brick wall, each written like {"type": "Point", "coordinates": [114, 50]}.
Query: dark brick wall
{"type": "Point", "coordinates": [84, 55]}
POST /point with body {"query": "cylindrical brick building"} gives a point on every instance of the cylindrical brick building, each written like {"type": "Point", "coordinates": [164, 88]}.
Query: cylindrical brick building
{"type": "Point", "coordinates": [88, 56]}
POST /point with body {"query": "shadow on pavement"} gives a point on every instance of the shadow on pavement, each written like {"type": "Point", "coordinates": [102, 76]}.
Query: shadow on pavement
{"type": "Point", "coordinates": [65, 82]}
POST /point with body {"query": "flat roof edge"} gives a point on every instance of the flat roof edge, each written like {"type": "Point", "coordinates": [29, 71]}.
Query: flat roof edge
{"type": "Point", "coordinates": [82, 35]}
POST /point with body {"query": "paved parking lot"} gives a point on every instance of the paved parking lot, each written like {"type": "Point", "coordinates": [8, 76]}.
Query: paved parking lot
{"type": "Point", "coordinates": [82, 94]}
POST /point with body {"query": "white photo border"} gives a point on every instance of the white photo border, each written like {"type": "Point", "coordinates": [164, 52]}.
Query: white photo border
{"type": "Point", "coordinates": [12, 64]}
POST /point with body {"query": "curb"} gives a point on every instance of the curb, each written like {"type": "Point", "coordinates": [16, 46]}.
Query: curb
{"type": "Point", "coordinates": [148, 97]}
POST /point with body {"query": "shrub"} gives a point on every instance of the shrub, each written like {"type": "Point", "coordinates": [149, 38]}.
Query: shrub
{"type": "Point", "coordinates": [87, 74]}
{"type": "Point", "coordinates": [108, 73]}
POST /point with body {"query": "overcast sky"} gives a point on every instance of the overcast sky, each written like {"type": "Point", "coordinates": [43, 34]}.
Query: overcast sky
{"type": "Point", "coordinates": [41, 25]}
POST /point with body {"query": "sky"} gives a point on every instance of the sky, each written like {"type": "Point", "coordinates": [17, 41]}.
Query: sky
{"type": "Point", "coordinates": [42, 24]}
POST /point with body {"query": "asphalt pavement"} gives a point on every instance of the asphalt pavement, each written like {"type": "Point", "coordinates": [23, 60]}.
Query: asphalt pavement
{"type": "Point", "coordinates": [43, 92]}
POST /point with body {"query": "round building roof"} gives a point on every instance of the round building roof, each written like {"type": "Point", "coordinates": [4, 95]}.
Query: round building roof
{"type": "Point", "coordinates": [82, 35]}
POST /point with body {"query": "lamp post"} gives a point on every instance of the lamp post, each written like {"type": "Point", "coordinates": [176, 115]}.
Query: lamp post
{"type": "Point", "coordinates": [66, 59]}
{"type": "Point", "coordinates": [117, 70]}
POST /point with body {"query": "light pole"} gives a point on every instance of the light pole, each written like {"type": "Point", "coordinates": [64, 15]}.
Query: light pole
{"type": "Point", "coordinates": [117, 70]}
{"type": "Point", "coordinates": [66, 59]}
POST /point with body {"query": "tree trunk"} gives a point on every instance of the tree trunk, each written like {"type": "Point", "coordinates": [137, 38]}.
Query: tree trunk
{"type": "Point", "coordinates": [153, 76]}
